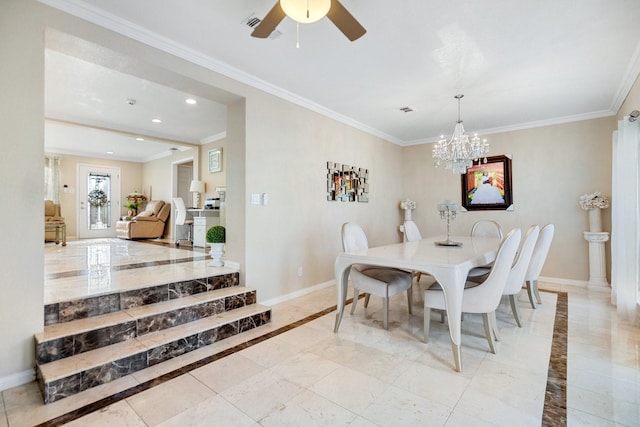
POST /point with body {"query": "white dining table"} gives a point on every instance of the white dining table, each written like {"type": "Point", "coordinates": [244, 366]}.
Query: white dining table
{"type": "Point", "coordinates": [449, 265]}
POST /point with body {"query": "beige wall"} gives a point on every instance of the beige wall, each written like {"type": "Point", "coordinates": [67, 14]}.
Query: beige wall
{"type": "Point", "coordinates": [21, 186]}
{"type": "Point", "coordinates": [130, 180]}
{"type": "Point", "coordinates": [552, 167]}
{"type": "Point", "coordinates": [216, 179]}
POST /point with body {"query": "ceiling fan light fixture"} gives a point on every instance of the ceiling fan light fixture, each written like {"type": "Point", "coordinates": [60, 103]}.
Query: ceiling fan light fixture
{"type": "Point", "coordinates": [306, 11]}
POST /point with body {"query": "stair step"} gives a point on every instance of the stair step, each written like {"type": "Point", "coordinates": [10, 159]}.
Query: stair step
{"type": "Point", "coordinates": [79, 336]}
{"type": "Point", "coordinates": [71, 375]}
{"type": "Point", "coordinates": [67, 311]}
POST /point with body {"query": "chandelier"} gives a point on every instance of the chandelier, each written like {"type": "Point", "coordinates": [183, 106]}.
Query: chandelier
{"type": "Point", "coordinates": [459, 152]}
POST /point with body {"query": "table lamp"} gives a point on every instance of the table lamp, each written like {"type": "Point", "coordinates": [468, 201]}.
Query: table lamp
{"type": "Point", "coordinates": [197, 187]}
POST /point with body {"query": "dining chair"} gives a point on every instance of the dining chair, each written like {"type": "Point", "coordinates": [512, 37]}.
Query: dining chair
{"type": "Point", "coordinates": [181, 220]}
{"type": "Point", "coordinates": [384, 282]}
{"type": "Point", "coordinates": [484, 228]}
{"type": "Point", "coordinates": [412, 234]}
{"type": "Point", "coordinates": [519, 269]}
{"type": "Point", "coordinates": [540, 252]}
{"type": "Point", "coordinates": [480, 298]}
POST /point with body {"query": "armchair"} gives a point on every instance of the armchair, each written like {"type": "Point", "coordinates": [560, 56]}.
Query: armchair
{"type": "Point", "coordinates": [51, 216]}
{"type": "Point", "coordinates": [148, 224]}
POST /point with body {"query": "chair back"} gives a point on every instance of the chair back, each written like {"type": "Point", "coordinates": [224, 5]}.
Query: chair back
{"type": "Point", "coordinates": [519, 268]}
{"type": "Point", "coordinates": [486, 228]}
{"type": "Point", "coordinates": [540, 252]}
{"type": "Point", "coordinates": [486, 297]}
{"type": "Point", "coordinates": [181, 211]}
{"type": "Point", "coordinates": [411, 231]}
{"type": "Point", "coordinates": [353, 237]}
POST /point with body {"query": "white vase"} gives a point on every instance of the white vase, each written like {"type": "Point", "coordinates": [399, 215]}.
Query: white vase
{"type": "Point", "coordinates": [595, 220]}
{"type": "Point", "coordinates": [216, 252]}
{"type": "Point", "coordinates": [407, 214]}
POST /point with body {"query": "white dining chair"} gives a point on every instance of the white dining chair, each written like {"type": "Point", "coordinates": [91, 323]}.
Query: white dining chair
{"type": "Point", "coordinates": [480, 298]}
{"type": "Point", "coordinates": [519, 269]}
{"type": "Point", "coordinates": [384, 282]}
{"type": "Point", "coordinates": [538, 258]}
{"type": "Point", "coordinates": [412, 234]}
{"type": "Point", "coordinates": [484, 228]}
{"type": "Point", "coordinates": [180, 220]}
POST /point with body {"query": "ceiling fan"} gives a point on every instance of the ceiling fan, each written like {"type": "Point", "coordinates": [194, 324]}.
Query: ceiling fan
{"type": "Point", "coordinates": [307, 11]}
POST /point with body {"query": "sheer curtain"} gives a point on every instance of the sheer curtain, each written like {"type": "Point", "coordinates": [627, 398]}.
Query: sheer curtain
{"type": "Point", "coordinates": [625, 219]}
{"type": "Point", "coordinates": [52, 178]}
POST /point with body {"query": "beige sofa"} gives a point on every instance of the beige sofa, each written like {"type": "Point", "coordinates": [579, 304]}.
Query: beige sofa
{"type": "Point", "coordinates": [51, 216]}
{"type": "Point", "coordinates": [148, 224]}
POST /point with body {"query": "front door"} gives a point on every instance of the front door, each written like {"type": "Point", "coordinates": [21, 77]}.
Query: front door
{"type": "Point", "coordinates": [98, 201]}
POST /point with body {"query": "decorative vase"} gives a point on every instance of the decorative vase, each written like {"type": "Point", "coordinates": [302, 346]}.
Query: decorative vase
{"type": "Point", "coordinates": [595, 220]}
{"type": "Point", "coordinates": [216, 252]}
{"type": "Point", "coordinates": [407, 214]}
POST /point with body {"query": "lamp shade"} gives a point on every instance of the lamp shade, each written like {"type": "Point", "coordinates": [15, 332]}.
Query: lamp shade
{"type": "Point", "coordinates": [197, 187]}
{"type": "Point", "coordinates": [306, 11]}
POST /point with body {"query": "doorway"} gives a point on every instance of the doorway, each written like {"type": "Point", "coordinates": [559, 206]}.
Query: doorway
{"type": "Point", "coordinates": [98, 201]}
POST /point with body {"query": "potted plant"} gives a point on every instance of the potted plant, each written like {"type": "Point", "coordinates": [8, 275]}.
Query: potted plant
{"type": "Point", "coordinates": [216, 237]}
{"type": "Point", "coordinates": [133, 208]}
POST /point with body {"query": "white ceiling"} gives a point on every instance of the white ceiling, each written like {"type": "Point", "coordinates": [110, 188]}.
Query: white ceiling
{"type": "Point", "coordinates": [519, 64]}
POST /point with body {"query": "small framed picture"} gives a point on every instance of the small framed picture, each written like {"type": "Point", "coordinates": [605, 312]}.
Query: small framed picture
{"type": "Point", "coordinates": [487, 186]}
{"type": "Point", "coordinates": [215, 160]}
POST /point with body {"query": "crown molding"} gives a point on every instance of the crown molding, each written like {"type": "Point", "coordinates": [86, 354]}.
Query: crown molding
{"type": "Point", "coordinates": [111, 22]}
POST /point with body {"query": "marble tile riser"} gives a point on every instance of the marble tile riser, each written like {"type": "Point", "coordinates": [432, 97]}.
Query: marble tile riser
{"type": "Point", "coordinates": [67, 346]}
{"type": "Point", "coordinates": [67, 311]}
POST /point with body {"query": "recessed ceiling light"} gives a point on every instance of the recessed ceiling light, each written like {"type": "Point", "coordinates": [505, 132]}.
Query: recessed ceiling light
{"type": "Point", "coordinates": [109, 152]}
{"type": "Point", "coordinates": [156, 120]}
{"type": "Point", "coordinates": [191, 101]}
{"type": "Point", "coordinates": [139, 139]}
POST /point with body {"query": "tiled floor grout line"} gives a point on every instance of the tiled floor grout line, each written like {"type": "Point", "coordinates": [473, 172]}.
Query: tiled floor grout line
{"type": "Point", "coordinates": [553, 415]}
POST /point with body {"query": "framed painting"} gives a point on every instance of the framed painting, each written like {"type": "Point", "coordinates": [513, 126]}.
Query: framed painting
{"type": "Point", "coordinates": [487, 186]}
{"type": "Point", "coordinates": [215, 160]}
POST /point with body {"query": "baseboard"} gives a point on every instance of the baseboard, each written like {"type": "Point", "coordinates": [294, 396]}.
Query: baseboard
{"type": "Point", "coordinates": [299, 293]}
{"type": "Point", "coordinates": [232, 264]}
{"type": "Point", "coordinates": [17, 379]}
{"type": "Point", "coordinates": [559, 281]}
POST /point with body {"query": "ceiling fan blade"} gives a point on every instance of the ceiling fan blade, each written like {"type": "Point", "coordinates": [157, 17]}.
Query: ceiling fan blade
{"type": "Point", "coordinates": [270, 22]}
{"type": "Point", "coordinates": [345, 22]}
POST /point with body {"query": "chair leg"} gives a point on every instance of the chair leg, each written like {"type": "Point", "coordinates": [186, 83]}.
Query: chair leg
{"type": "Point", "coordinates": [530, 292]}
{"type": "Point", "coordinates": [355, 301]}
{"type": "Point", "coordinates": [515, 310]}
{"type": "Point", "coordinates": [386, 312]}
{"type": "Point", "coordinates": [442, 315]}
{"type": "Point", "coordinates": [427, 322]}
{"type": "Point", "coordinates": [494, 326]}
{"type": "Point", "coordinates": [410, 298]}
{"type": "Point", "coordinates": [488, 331]}
{"type": "Point", "coordinates": [366, 300]}
{"type": "Point", "coordinates": [536, 291]}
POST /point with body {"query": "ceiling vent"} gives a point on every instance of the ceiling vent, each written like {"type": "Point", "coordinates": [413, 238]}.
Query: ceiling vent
{"type": "Point", "coordinates": [406, 109]}
{"type": "Point", "coordinates": [253, 21]}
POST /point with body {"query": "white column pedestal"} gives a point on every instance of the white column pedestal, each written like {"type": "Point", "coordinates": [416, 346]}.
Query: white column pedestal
{"type": "Point", "coordinates": [597, 261]}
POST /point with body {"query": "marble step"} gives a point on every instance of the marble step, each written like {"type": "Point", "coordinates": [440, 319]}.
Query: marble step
{"type": "Point", "coordinates": [74, 374]}
{"type": "Point", "coordinates": [67, 311]}
{"type": "Point", "coordinates": [67, 339]}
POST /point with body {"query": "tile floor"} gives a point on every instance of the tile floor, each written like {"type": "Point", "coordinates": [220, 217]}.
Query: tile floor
{"type": "Point", "coordinates": [301, 373]}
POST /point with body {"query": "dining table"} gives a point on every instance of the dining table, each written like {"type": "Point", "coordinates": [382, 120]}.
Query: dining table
{"type": "Point", "coordinates": [449, 265]}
